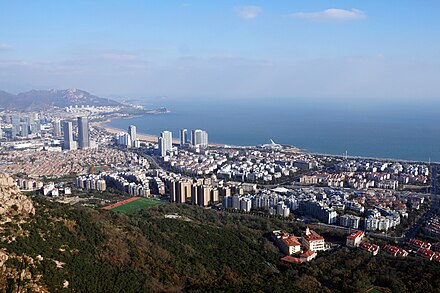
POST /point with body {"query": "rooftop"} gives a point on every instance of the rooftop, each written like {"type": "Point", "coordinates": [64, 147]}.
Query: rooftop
{"type": "Point", "coordinates": [355, 235]}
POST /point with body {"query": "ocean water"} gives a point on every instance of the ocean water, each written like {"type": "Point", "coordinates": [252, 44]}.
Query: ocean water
{"type": "Point", "coordinates": [400, 131]}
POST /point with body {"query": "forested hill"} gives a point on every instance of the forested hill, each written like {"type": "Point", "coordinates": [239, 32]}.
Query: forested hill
{"type": "Point", "coordinates": [73, 249]}
{"type": "Point", "coordinates": [36, 100]}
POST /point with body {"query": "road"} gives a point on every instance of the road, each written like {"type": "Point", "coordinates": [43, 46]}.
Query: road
{"type": "Point", "coordinates": [151, 159]}
{"type": "Point", "coordinates": [412, 232]}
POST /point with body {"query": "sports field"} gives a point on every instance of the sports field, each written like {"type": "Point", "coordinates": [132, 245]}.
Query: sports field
{"type": "Point", "coordinates": [137, 205]}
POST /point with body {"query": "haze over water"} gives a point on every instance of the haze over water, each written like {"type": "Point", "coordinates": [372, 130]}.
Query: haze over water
{"type": "Point", "coordinates": [407, 131]}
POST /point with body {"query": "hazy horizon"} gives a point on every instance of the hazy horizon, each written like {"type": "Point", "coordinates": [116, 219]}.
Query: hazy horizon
{"type": "Point", "coordinates": [341, 51]}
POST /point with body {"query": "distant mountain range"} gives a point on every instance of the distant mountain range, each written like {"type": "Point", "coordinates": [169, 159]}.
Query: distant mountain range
{"type": "Point", "coordinates": [42, 99]}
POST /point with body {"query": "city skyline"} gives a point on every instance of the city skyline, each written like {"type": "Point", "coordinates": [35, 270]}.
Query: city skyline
{"type": "Point", "coordinates": [368, 49]}
{"type": "Point", "coordinates": [383, 207]}
{"type": "Point", "coordinates": [305, 155]}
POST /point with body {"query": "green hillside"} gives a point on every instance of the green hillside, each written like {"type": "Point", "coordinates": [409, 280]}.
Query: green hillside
{"type": "Point", "coordinates": [203, 251]}
{"type": "Point", "coordinates": [137, 205]}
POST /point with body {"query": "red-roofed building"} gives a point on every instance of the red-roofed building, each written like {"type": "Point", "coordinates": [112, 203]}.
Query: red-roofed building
{"type": "Point", "coordinates": [291, 259]}
{"type": "Point", "coordinates": [355, 239]}
{"type": "Point", "coordinates": [372, 248]}
{"type": "Point", "coordinates": [395, 251]}
{"type": "Point", "coordinates": [288, 244]}
{"type": "Point", "coordinates": [304, 257]}
{"type": "Point", "coordinates": [416, 244]}
{"type": "Point", "coordinates": [313, 241]}
{"type": "Point", "coordinates": [426, 253]}
{"type": "Point", "coordinates": [308, 255]}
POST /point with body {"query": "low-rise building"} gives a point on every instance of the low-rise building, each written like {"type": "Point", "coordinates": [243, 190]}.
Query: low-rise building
{"type": "Point", "coordinates": [313, 241]}
{"type": "Point", "coordinates": [369, 247]}
{"type": "Point", "coordinates": [308, 255]}
{"type": "Point", "coordinates": [417, 244]}
{"type": "Point", "coordinates": [355, 239]}
{"type": "Point", "coordinates": [395, 251]}
{"type": "Point", "coordinates": [288, 244]}
{"type": "Point", "coordinates": [426, 254]}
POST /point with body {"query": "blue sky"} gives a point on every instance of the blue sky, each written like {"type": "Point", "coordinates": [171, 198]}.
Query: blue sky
{"type": "Point", "coordinates": [333, 50]}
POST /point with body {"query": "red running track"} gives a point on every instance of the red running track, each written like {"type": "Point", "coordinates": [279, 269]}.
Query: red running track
{"type": "Point", "coordinates": [119, 203]}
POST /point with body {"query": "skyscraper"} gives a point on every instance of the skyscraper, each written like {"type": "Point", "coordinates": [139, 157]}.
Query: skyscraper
{"type": "Point", "coordinates": [69, 144]}
{"type": "Point", "coordinates": [199, 138]}
{"type": "Point", "coordinates": [132, 132]}
{"type": "Point", "coordinates": [36, 127]}
{"type": "Point", "coordinates": [56, 127]}
{"type": "Point", "coordinates": [168, 139]}
{"type": "Point", "coordinates": [83, 133]}
{"type": "Point", "coordinates": [162, 150]}
{"type": "Point", "coordinates": [25, 126]}
{"type": "Point", "coordinates": [165, 142]}
{"type": "Point", "coordinates": [183, 134]}
{"type": "Point", "coordinates": [24, 129]}
{"type": "Point", "coordinates": [15, 120]}
{"type": "Point", "coordinates": [125, 140]}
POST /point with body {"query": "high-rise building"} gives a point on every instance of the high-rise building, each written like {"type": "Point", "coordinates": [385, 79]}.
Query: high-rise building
{"type": "Point", "coordinates": [214, 196]}
{"type": "Point", "coordinates": [204, 195]}
{"type": "Point", "coordinates": [199, 138]}
{"type": "Point", "coordinates": [245, 204]}
{"type": "Point", "coordinates": [165, 142]}
{"type": "Point", "coordinates": [69, 143]}
{"type": "Point", "coordinates": [194, 194]}
{"type": "Point", "coordinates": [25, 126]}
{"type": "Point", "coordinates": [182, 191]}
{"type": "Point", "coordinates": [183, 135]}
{"type": "Point", "coordinates": [132, 132]}
{"type": "Point", "coordinates": [124, 139]}
{"type": "Point", "coordinates": [83, 133]}
{"type": "Point", "coordinates": [15, 120]}
{"type": "Point", "coordinates": [56, 127]}
{"type": "Point", "coordinates": [24, 129]}
{"type": "Point", "coordinates": [36, 127]}
{"type": "Point", "coordinates": [162, 149]}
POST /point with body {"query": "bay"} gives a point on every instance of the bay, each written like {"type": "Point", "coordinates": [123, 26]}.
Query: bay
{"type": "Point", "coordinates": [408, 131]}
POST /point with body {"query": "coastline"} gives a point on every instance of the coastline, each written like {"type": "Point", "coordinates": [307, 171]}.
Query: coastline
{"type": "Point", "coordinates": [142, 136]}
{"type": "Point", "coordinates": [147, 137]}
{"type": "Point", "coordinates": [153, 139]}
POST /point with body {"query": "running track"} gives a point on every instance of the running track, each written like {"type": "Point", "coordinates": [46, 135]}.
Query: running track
{"type": "Point", "coordinates": [119, 203]}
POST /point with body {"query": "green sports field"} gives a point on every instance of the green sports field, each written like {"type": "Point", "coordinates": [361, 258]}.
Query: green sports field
{"type": "Point", "coordinates": [137, 205]}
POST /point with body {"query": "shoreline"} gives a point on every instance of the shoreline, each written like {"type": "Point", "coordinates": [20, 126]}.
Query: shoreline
{"type": "Point", "coordinates": [153, 138]}
{"type": "Point", "coordinates": [142, 136]}
{"type": "Point", "coordinates": [147, 137]}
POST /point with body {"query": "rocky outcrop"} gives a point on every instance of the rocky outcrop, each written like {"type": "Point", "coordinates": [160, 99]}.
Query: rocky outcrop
{"type": "Point", "coordinates": [14, 206]}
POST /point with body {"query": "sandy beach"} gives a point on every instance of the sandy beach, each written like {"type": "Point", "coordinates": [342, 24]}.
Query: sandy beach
{"type": "Point", "coordinates": [153, 138]}
{"type": "Point", "coordinates": [141, 136]}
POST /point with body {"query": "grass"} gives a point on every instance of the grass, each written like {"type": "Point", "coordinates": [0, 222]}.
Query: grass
{"type": "Point", "coordinates": [137, 205]}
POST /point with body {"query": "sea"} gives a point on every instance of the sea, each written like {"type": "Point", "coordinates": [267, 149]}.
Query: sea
{"type": "Point", "coordinates": [396, 130]}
